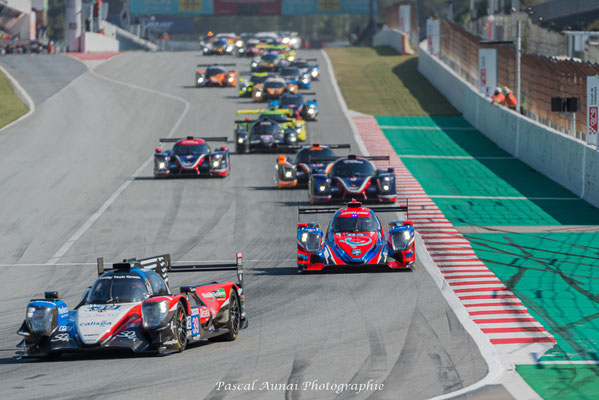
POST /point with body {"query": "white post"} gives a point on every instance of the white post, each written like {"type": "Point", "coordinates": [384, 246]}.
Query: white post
{"type": "Point", "coordinates": [573, 124]}
{"type": "Point", "coordinates": [518, 56]}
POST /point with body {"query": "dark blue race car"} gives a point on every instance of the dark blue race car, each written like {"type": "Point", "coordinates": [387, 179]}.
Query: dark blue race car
{"type": "Point", "coordinates": [353, 177]}
{"type": "Point", "coordinates": [316, 158]}
{"type": "Point", "coordinates": [298, 104]}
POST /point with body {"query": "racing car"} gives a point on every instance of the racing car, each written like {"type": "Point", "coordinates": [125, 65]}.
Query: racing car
{"type": "Point", "coordinates": [263, 134]}
{"type": "Point", "coordinates": [246, 87]}
{"type": "Point", "coordinates": [272, 88]}
{"type": "Point", "coordinates": [284, 117]}
{"type": "Point", "coordinates": [191, 156]}
{"type": "Point", "coordinates": [218, 46]}
{"type": "Point", "coordinates": [355, 238]}
{"type": "Point", "coordinates": [315, 158]}
{"type": "Point", "coordinates": [307, 109]}
{"type": "Point", "coordinates": [131, 307]}
{"type": "Point", "coordinates": [294, 76]}
{"type": "Point", "coordinates": [215, 75]}
{"type": "Point", "coordinates": [306, 68]}
{"type": "Point", "coordinates": [268, 62]}
{"type": "Point", "coordinates": [353, 176]}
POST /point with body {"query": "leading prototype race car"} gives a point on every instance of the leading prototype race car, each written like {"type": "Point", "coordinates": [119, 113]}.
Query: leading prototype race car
{"type": "Point", "coordinates": [355, 238]}
{"type": "Point", "coordinates": [310, 159]}
{"type": "Point", "coordinates": [131, 307]}
{"type": "Point", "coordinates": [215, 75]}
{"type": "Point", "coordinates": [300, 107]}
{"type": "Point", "coordinates": [218, 46]}
{"type": "Point", "coordinates": [353, 177]}
{"type": "Point", "coordinates": [192, 156]}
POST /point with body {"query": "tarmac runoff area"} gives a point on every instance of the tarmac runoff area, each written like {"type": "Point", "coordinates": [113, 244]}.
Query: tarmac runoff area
{"type": "Point", "coordinates": [76, 187]}
{"type": "Point", "coordinates": [519, 250]}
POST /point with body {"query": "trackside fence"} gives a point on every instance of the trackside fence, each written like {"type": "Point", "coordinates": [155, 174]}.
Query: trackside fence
{"type": "Point", "coordinates": [541, 78]}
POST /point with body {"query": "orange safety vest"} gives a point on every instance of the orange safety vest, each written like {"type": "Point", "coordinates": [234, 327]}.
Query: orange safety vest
{"type": "Point", "coordinates": [499, 98]}
{"type": "Point", "coordinates": [510, 101]}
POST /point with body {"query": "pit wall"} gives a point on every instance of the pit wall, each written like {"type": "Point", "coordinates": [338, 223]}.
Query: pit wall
{"type": "Point", "coordinates": [565, 160]}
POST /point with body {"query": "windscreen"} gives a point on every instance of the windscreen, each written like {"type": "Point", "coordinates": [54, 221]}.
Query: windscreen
{"type": "Point", "coordinates": [258, 78]}
{"type": "Point", "coordinates": [220, 43]}
{"type": "Point", "coordinates": [292, 99]}
{"type": "Point", "coordinates": [190, 149]}
{"type": "Point", "coordinates": [269, 58]}
{"type": "Point", "coordinates": [290, 72]}
{"type": "Point", "coordinates": [211, 71]}
{"type": "Point", "coordinates": [300, 64]}
{"type": "Point", "coordinates": [274, 85]}
{"type": "Point", "coordinates": [352, 168]}
{"type": "Point", "coordinates": [265, 129]}
{"type": "Point", "coordinates": [275, 117]}
{"type": "Point", "coordinates": [355, 224]}
{"type": "Point", "coordinates": [312, 156]}
{"type": "Point", "coordinates": [118, 288]}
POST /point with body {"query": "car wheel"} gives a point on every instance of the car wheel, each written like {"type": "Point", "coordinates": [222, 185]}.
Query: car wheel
{"type": "Point", "coordinates": [181, 327]}
{"type": "Point", "coordinates": [234, 323]}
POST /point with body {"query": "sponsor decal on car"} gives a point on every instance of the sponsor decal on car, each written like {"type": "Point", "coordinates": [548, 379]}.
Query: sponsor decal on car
{"type": "Point", "coordinates": [131, 335]}
{"type": "Point", "coordinates": [220, 293]}
{"type": "Point", "coordinates": [105, 307]}
{"type": "Point", "coordinates": [60, 337]}
{"type": "Point", "coordinates": [208, 296]}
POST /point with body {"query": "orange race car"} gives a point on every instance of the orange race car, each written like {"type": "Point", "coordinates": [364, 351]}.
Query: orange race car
{"type": "Point", "coordinates": [272, 89]}
{"type": "Point", "coordinates": [215, 75]}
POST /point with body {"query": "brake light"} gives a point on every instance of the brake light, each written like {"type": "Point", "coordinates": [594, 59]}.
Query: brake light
{"type": "Point", "coordinates": [158, 150]}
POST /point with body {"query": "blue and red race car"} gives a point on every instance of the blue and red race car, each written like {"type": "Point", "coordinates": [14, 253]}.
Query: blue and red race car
{"type": "Point", "coordinates": [131, 307]}
{"type": "Point", "coordinates": [353, 177]}
{"type": "Point", "coordinates": [355, 239]}
{"type": "Point", "coordinates": [191, 156]}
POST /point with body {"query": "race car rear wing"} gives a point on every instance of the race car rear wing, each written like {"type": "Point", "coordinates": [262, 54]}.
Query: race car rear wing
{"type": "Point", "coordinates": [237, 265]}
{"type": "Point", "coordinates": [331, 210]}
{"type": "Point", "coordinates": [353, 157]}
{"type": "Point", "coordinates": [318, 145]}
{"type": "Point", "coordinates": [162, 265]}
{"type": "Point", "coordinates": [217, 65]}
{"type": "Point", "coordinates": [206, 139]}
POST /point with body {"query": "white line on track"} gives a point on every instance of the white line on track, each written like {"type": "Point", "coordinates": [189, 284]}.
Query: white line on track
{"type": "Point", "coordinates": [95, 216]}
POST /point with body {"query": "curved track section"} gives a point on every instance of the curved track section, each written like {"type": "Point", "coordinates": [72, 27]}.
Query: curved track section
{"type": "Point", "coordinates": [79, 147]}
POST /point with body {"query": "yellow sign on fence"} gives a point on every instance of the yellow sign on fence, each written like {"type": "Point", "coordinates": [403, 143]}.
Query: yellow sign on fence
{"type": "Point", "coordinates": [190, 5]}
{"type": "Point", "coordinates": [328, 5]}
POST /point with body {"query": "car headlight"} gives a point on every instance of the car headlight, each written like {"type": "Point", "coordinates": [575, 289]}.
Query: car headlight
{"type": "Point", "coordinates": [293, 40]}
{"type": "Point", "coordinates": [305, 80]}
{"type": "Point", "coordinates": [216, 160]}
{"type": "Point", "coordinates": [200, 79]}
{"type": "Point", "coordinates": [291, 58]}
{"type": "Point", "coordinates": [401, 240]}
{"type": "Point", "coordinates": [153, 314]}
{"type": "Point", "coordinates": [288, 174]}
{"type": "Point", "coordinates": [322, 188]}
{"type": "Point", "coordinates": [311, 110]}
{"type": "Point", "coordinates": [258, 93]}
{"type": "Point", "coordinates": [254, 64]}
{"type": "Point", "coordinates": [229, 48]}
{"type": "Point", "coordinates": [314, 73]}
{"type": "Point", "coordinates": [239, 43]}
{"type": "Point", "coordinates": [386, 179]}
{"type": "Point", "coordinates": [385, 187]}
{"type": "Point", "coordinates": [240, 140]}
{"type": "Point", "coordinates": [285, 40]}
{"type": "Point", "coordinates": [39, 319]}
{"type": "Point", "coordinates": [230, 79]}
{"type": "Point", "coordinates": [298, 129]}
{"type": "Point", "coordinates": [161, 165]}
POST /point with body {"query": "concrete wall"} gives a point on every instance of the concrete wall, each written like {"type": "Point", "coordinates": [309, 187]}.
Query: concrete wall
{"type": "Point", "coordinates": [567, 161]}
{"type": "Point", "coordinates": [389, 37]}
{"type": "Point", "coordinates": [97, 43]}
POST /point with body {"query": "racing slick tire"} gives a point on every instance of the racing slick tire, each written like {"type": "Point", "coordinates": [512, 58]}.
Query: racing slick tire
{"type": "Point", "coordinates": [181, 327]}
{"type": "Point", "coordinates": [234, 322]}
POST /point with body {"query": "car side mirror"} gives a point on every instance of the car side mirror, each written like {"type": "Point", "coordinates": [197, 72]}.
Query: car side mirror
{"type": "Point", "coordinates": [390, 169]}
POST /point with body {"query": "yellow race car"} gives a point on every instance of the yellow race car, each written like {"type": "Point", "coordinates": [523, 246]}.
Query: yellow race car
{"type": "Point", "coordinates": [284, 117]}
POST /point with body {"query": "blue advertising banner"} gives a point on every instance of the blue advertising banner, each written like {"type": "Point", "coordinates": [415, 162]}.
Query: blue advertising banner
{"type": "Point", "coordinates": [299, 7]}
{"type": "Point", "coordinates": [199, 7]}
{"type": "Point", "coordinates": [254, 7]}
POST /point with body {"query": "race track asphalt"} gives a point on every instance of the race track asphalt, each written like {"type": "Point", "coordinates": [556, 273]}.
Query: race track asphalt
{"type": "Point", "coordinates": [87, 138]}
